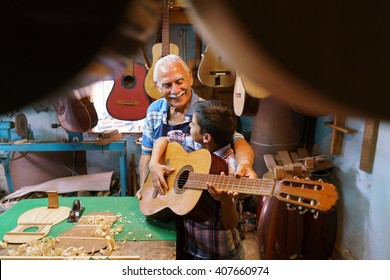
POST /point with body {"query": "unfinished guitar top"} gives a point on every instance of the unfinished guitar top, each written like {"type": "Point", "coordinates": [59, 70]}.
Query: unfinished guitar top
{"type": "Point", "coordinates": [36, 223]}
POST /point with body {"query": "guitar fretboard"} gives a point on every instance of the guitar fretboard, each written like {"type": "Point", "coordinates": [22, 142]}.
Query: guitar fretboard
{"type": "Point", "coordinates": [256, 186]}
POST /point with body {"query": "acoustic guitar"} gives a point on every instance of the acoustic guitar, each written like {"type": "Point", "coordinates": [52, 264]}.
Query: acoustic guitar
{"type": "Point", "coordinates": [128, 99]}
{"type": "Point", "coordinates": [253, 89]}
{"type": "Point", "coordinates": [200, 89]}
{"type": "Point", "coordinates": [159, 50]}
{"type": "Point", "coordinates": [192, 171]}
{"type": "Point", "coordinates": [214, 71]}
{"type": "Point", "coordinates": [75, 112]}
{"type": "Point", "coordinates": [244, 104]}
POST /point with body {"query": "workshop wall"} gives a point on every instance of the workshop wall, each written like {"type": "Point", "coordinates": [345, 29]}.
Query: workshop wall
{"type": "Point", "coordinates": [363, 230]}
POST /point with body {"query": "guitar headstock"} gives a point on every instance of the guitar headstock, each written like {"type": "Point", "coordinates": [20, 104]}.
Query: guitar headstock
{"type": "Point", "coordinates": [307, 194]}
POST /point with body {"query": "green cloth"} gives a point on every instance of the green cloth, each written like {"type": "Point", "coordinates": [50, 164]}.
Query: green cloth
{"type": "Point", "coordinates": [135, 225]}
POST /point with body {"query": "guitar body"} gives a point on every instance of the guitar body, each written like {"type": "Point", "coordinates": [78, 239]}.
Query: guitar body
{"type": "Point", "coordinates": [214, 71]}
{"type": "Point", "coordinates": [76, 114]}
{"type": "Point", "coordinates": [253, 89]}
{"type": "Point", "coordinates": [244, 104]}
{"type": "Point", "coordinates": [200, 89]}
{"type": "Point", "coordinates": [178, 200]}
{"type": "Point", "coordinates": [150, 86]}
{"type": "Point", "coordinates": [280, 231]}
{"type": "Point", "coordinates": [128, 99]}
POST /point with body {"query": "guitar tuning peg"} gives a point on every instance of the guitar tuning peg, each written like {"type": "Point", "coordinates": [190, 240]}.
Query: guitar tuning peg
{"type": "Point", "coordinates": [291, 207]}
{"type": "Point", "coordinates": [315, 214]}
{"type": "Point", "coordinates": [303, 211]}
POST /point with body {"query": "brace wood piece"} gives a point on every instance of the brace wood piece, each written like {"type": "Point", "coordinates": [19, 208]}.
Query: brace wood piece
{"type": "Point", "coordinates": [309, 163]}
{"type": "Point", "coordinates": [294, 156]}
{"type": "Point", "coordinates": [279, 172]}
{"type": "Point", "coordinates": [53, 199]}
{"type": "Point", "coordinates": [269, 162]}
{"type": "Point", "coordinates": [303, 153]}
{"type": "Point", "coordinates": [284, 156]}
{"type": "Point", "coordinates": [298, 169]}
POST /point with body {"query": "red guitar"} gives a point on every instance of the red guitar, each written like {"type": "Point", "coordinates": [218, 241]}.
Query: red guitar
{"type": "Point", "coordinates": [128, 99]}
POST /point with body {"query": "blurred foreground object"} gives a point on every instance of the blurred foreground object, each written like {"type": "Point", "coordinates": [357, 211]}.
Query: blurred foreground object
{"type": "Point", "coordinates": [320, 56]}
{"type": "Point", "coordinates": [52, 46]}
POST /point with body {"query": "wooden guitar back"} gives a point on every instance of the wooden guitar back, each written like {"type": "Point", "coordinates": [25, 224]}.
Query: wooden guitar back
{"type": "Point", "coordinates": [36, 223]}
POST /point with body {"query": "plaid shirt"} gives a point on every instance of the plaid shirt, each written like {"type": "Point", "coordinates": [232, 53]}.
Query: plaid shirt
{"type": "Point", "coordinates": [209, 240]}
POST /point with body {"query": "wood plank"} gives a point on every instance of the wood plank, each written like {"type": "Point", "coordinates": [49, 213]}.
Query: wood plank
{"type": "Point", "coordinates": [303, 153]}
{"type": "Point", "coordinates": [285, 157]}
{"type": "Point", "coordinates": [270, 162]}
{"type": "Point", "coordinates": [294, 156]}
{"type": "Point", "coordinates": [369, 145]}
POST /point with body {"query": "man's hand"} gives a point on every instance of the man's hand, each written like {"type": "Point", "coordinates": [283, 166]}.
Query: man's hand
{"type": "Point", "coordinates": [245, 170]}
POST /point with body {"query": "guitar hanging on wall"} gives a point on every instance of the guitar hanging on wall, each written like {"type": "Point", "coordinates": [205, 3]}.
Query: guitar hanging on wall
{"type": "Point", "coordinates": [128, 99]}
{"type": "Point", "coordinates": [244, 104]}
{"type": "Point", "coordinates": [214, 71]}
{"type": "Point", "coordinates": [159, 50]}
{"type": "Point", "coordinates": [75, 112]}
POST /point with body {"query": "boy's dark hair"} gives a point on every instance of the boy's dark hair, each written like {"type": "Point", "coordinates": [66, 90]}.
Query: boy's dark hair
{"type": "Point", "coordinates": [217, 119]}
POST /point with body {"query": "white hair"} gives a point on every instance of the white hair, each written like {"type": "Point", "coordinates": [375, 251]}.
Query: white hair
{"type": "Point", "coordinates": [168, 60]}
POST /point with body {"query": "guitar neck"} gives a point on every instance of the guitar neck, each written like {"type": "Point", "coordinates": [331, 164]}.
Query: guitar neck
{"type": "Point", "coordinates": [241, 185]}
{"type": "Point", "coordinates": [165, 48]}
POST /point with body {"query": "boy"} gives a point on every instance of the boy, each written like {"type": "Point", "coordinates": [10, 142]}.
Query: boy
{"type": "Point", "coordinates": [212, 126]}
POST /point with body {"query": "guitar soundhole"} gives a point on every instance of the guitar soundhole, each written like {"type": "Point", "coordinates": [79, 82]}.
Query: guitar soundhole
{"type": "Point", "coordinates": [128, 81]}
{"type": "Point", "coordinates": [182, 179]}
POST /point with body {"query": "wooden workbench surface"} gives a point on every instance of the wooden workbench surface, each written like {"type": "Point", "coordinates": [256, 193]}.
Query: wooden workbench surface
{"type": "Point", "coordinates": [140, 238]}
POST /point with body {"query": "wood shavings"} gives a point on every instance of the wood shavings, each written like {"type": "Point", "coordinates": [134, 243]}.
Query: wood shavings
{"type": "Point", "coordinates": [45, 247]}
{"type": "Point", "coordinates": [111, 246]}
{"type": "Point", "coordinates": [3, 245]}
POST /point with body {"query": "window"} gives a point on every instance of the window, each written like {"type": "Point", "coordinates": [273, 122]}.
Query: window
{"type": "Point", "coordinates": [99, 93]}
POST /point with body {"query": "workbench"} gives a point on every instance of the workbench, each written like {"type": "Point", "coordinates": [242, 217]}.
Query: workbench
{"type": "Point", "coordinates": [146, 238]}
{"type": "Point", "coordinates": [56, 146]}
